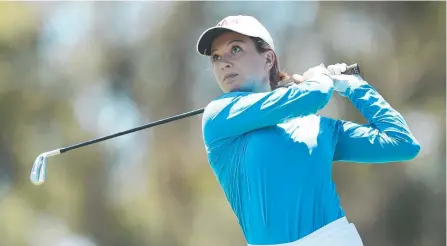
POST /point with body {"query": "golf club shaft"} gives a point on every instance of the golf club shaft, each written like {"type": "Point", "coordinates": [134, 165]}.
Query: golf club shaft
{"type": "Point", "coordinates": [155, 123]}
{"type": "Point", "coordinates": [352, 69]}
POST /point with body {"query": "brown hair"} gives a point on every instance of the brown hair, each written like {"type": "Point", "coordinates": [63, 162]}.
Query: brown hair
{"type": "Point", "coordinates": [275, 74]}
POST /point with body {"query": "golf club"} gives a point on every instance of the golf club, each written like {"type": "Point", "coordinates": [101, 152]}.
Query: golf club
{"type": "Point", "coordinates": [38, 171]}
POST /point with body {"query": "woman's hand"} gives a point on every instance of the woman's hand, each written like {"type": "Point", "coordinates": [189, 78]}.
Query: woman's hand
{"type": "Point", "coordinates": [343, 82]}
{"type": "Point", "coordinates": [314, 72]}
{"type": "Point", "coordinates": [308, 75]}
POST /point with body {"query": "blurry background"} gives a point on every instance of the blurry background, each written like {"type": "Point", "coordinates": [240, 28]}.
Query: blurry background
{"type": "Point", "coordinates": [73, 71]}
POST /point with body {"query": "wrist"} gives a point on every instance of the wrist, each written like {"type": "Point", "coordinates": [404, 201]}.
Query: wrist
{"type": "Point", "coordinates": [353, 86]}
{"type": "Point", "coordinates": [322, 79]}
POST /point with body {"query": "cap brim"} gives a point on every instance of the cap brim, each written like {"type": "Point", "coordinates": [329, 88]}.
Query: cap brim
{"type": "Point", "coordinates": [207, 37]}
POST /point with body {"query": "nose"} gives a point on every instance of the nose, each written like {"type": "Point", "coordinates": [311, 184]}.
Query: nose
{"type": "Point", "coordinates": [225, 63]}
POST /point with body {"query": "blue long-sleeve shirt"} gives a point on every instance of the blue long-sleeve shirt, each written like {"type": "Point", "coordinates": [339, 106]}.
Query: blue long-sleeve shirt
{"type": "Point", "coordinates": [272, 155]}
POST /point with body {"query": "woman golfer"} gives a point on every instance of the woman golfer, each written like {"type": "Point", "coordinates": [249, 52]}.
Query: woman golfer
{"type": "Point", "coordinates": [272, 154]}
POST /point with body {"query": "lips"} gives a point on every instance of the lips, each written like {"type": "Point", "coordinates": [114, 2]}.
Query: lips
{"type": "Point", "coordinates": [230, 75]}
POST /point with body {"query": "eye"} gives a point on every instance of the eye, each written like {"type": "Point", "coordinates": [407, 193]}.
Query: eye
{"type": "Point", "coordinates": [235, 49]}
{"type": "Point", "coordinates": [215, 58]}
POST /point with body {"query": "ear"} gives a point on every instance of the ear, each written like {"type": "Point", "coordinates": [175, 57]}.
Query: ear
{"type": "Point", "coordinates": [269, 59]}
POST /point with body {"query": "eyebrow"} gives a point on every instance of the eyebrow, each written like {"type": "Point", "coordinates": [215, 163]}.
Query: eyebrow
{"type": "Point", "coordinates": [232, 41]}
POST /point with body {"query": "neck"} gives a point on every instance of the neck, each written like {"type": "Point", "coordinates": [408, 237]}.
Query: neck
{"type": "Point", "coordinates": [264, 87]}
{"type": "Point", "coordinates": [257, 86]}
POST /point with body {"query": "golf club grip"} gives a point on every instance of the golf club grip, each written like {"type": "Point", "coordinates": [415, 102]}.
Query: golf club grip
{"type": "Point", "coordinates": [352, 69]}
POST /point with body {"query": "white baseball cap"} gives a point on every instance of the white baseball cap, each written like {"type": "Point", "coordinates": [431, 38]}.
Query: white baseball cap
{"type": "Point", "coordinates": [246, 25]}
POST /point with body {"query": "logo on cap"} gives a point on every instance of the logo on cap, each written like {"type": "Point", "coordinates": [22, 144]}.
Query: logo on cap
{"type": "Point", "coordinates": [227, 21]}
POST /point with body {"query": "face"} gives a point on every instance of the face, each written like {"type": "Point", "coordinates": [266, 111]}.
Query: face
{"type": "Point", "coordinates": [238, 66]}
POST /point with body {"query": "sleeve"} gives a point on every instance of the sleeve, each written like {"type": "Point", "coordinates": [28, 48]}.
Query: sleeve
{"type": "Point", "coordinates": [386, 138]}
{"type": "Point", "coordinates": [240, 112]}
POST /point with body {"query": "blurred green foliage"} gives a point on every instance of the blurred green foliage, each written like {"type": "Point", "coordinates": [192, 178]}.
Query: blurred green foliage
{"type": "Point", "coordinates": [73, 71]}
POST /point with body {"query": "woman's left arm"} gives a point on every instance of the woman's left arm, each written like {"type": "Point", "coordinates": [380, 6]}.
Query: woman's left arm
{"type": "Point", "coordinates": [386, 138]}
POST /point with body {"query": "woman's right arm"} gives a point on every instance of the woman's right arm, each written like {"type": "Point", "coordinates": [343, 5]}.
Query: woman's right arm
{"type": "Point", "coordinates": [240, 112]}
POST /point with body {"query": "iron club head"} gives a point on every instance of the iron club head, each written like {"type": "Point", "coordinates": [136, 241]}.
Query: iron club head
{"type": "Point", "coordinates": [38, 172]}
